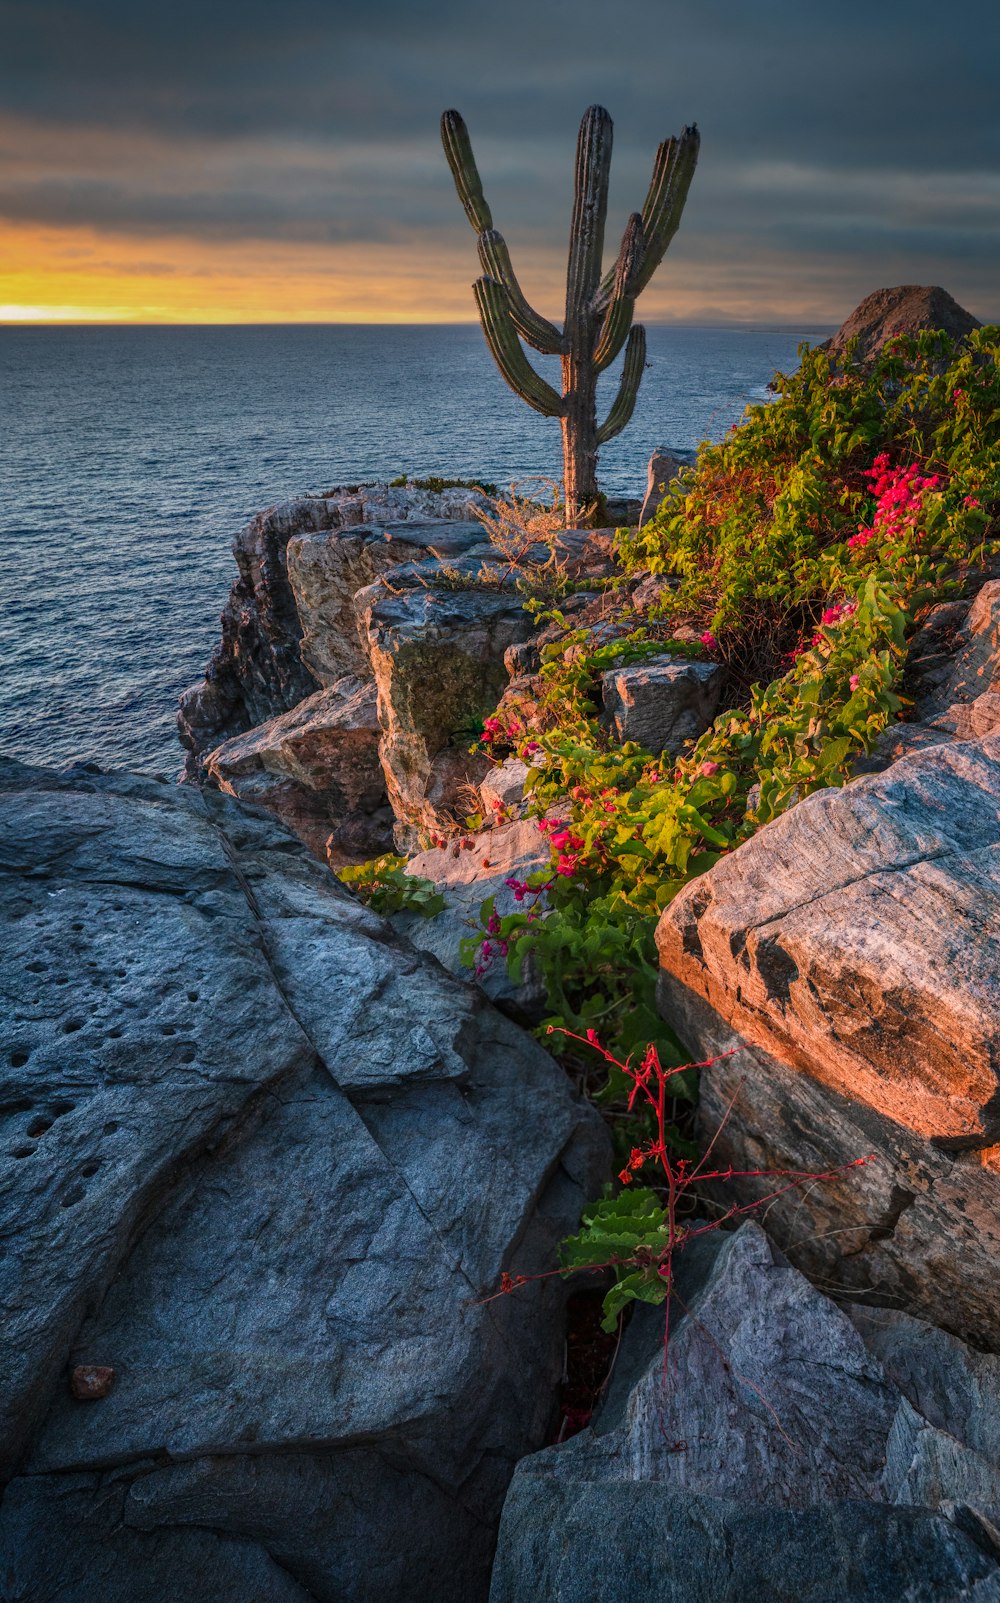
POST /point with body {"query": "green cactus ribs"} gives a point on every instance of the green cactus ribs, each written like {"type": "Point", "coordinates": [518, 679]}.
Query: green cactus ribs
{"type": "Point", "coordinates": [599, 310]}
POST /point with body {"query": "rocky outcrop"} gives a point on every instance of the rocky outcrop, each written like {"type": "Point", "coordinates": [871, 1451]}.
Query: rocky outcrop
{"type": "Point", "coordinates": [504, 789]}
{"type": "Point", "coordinates": [953, 679]}
{"type": "Point", "coordinates": [848, 952]}
{"type": "Point", "coordinates": [906, 309]}
{"type": "Point", "coordinates": [466, 871]}
{"type": "Point", "coordinates": [780, 1455]}
{"type": "Point", "coordinates": [259, 1165]}
{"type": "Point", "coordinates": [664, 467]}
{"type": "Point", "coordinates": [663, 703]}
{"type": "Point", "coordinates": [317, 769]}
{"type": "Point", "coordinates": [326, 571]}
{"type": "Point", "coordinates": [437, 653]}
{"type": "Point", "coordinates": [256, 671]}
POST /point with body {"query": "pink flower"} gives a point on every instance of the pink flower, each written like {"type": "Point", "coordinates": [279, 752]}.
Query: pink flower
{"type": "Point", "coordinates": [855, 681]}
{"type": "Point", "coordinates": [970, 501]}
{"type": "Point", "coordinates": [708, 639]}
{"type": "Point", "coordinates": [708, 769]}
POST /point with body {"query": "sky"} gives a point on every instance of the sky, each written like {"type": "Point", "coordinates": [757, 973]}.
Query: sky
{"type": "Point", "coordinates": [279, 160]}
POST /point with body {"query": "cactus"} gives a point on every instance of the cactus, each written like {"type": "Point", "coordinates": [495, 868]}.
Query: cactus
{"type": "Point", "coordinates": [599, 311]}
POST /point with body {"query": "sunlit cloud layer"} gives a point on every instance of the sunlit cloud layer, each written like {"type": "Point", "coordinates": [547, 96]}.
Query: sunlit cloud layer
{"type": "Point", "coordinates": [260, 163]}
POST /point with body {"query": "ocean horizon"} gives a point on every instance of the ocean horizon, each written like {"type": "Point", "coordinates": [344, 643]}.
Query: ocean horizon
{"type": "Point", "coordinates": [131, 454]}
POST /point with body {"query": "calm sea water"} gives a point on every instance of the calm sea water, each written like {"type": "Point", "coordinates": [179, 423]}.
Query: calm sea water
{"type": "Point", "coordinates": [130, 456]}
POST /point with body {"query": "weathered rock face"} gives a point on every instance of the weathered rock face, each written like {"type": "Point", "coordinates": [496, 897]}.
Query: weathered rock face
{"type": "Point", "coordinates": [256, 672]}
{"type": "Point", "coordinates": [504, 787]}
{"type": "Point", "coordinates": [849, 951]}
{"type": "Point", "coordinates": [664, 467]}
{"type": "Point", "coordinates": [465, 877]}
{"type": "Point", "coordinates": [664, 703]}
{"type": "Point", "coordinates": [438, 659]}
{"type": "Point", "coordinates": [316, 768]}
{"type": "Point", "coordinates": [259, 1164]}
{"type": "Point", "coordinates": [952, 679]}
{"type": "Point", "coordinates": [780, 1459]}
{"type": "Point", "coordinates": [905, 309]}
{"type": "Point", "coordinates": [327, 570]}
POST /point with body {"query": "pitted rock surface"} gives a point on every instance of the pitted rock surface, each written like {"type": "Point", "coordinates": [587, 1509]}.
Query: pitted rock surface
{"type": "Point", "coordinates": [259, 1163]}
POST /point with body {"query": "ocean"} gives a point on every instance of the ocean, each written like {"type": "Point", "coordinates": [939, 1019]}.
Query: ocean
{"type": "Point", "coordinates": [130, 456]}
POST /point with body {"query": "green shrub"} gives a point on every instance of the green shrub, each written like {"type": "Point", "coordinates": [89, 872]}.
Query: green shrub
{"type": "Point", "coordinates": [806, 547]}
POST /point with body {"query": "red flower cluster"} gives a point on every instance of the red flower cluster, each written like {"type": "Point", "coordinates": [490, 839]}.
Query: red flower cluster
{"type": "Point", "coordinates": [496, 729]}
{"type": "Point", "coordinates": [567, 846]}
{"type": "Point", "coordinates": [899, 494]}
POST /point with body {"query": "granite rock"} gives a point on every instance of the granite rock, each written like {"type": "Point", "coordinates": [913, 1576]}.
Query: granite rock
{"type": "Point", "coordinates": [663, 703]}
{"type": "Point", "coordinates": [437, 653]}
{"type": "Point", "coordinates": [848, 955]}
{"type": "Point", "coordinates": [766, 1464]}
{"type": "Point", "coordinates": [315, 768]}
{"type": "Point", "coordinates": [466, 876]}
{"type": "Point", "coordinates": [905, 309]}
{"type": "Point", "coordinates": [327, 569]}
{"type": "Point", "coordinates": [256, 672]}
{"type": "Point", "coordinates": [259, 1163]}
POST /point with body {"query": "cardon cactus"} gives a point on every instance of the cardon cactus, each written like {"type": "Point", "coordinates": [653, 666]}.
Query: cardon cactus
{"type": "Point", "coordinates": [599, 310]}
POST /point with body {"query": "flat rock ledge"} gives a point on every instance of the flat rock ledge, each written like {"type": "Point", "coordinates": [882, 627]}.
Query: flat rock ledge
{"type": "Point", "coordinates": [789, 1452]}
{"type": "Point", "coordinates": [262, 1163]}
{"type": "Point", "coordinates": [848, 955]}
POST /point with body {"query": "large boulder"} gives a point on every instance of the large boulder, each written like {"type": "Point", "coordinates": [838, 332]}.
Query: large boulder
{"type": "Point", "coordinates": [905, 309]}
{"type": "Point", "coordinates": [767, 1452]}
{"type": "Point", "coordinates": [259, 1167]}
{"type": "Point", "coordinates": [847, 954]}
{"type": "Point", "coordinates": [317, 769]}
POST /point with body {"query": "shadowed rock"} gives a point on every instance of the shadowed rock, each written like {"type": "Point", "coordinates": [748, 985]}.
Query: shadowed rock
{"type": "Point", "coordinates": [313, 768]}
{"type": "Point", "coordinates": [774, 1458]}
{"type": "Point", "coordinates": [258, 1162]}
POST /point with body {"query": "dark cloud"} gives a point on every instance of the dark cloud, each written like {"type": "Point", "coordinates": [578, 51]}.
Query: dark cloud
{"type": "Point", "coordinates": [844, 128]}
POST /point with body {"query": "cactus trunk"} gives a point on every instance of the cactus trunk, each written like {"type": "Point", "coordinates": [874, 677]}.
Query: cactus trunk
{"type": "Point", "coordinates": [598, 311]}
{"type": "Point", "coordinates": [579, 440]}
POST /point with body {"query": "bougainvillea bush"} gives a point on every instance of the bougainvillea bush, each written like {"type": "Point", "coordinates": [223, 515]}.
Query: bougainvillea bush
{"type": "Point", "coordinates": [801, 552]}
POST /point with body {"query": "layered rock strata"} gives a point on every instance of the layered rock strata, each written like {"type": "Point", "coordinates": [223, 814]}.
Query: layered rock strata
{"type": "Point", "coordinates": [256, 671]}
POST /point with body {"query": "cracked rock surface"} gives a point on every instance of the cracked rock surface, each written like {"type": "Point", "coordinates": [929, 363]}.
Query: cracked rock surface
{"type": "Point", "coordinates": [850, 954]}
{"type": "Point", "coordinates": [790, 1453]}
{"type": "Point", "coordinates": [258, 1161]}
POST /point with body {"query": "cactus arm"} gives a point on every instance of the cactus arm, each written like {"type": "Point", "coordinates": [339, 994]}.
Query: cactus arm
{"type": "Point", "coordinates": [662, 163]}
{"type": "Point", "coordinates": [628, 389]}
{"type": "Point", "coordinates": [667, 205]}
{"type": "Point", "coordinates": [673, 169]}
{"type": "Point", "coordinates": [537, 330]}
{"type": "Point", "coordinates": [458, 149]}
{"type": "Point", "coordinates": [590, 207]}
{"type": "Point", "coordinates": [508, 353]}
{"type": "Point", "coordinates": [618, 318]}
